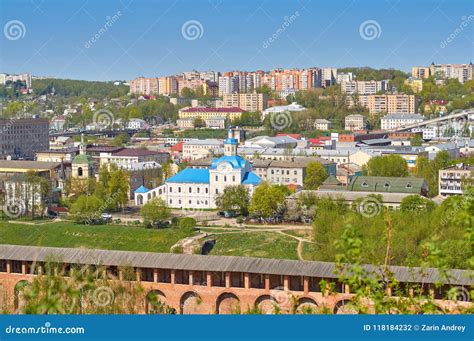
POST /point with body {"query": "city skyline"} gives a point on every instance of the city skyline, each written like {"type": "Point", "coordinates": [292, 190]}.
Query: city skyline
{"type": "Point", "coordinates": [104, 41]}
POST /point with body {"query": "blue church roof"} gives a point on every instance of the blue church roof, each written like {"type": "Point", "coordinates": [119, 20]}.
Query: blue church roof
{"type": "Point", "coordinates": [141, 189]}
{"type": "Point", "coordinates": [235, 161]}
{"type": "Point", "coordinates": [230, 140]}
{"type": "Point", "coordinates": [251, 178]}
{"type": "Point", "coordinates": [191, 175]}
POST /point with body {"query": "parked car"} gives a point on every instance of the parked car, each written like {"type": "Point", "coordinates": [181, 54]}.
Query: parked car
{"type": "Point", "coordinates": [106, 216]}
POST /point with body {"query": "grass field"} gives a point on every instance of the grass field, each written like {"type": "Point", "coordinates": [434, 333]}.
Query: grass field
{"type": "Point", "coordinates": [68, 234]}
{"type": "Point", "coordinates": [255, 244]}
{"type": "Point", "coordinates": [116, 237]}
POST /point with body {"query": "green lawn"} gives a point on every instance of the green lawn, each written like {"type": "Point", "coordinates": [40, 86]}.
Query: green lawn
{"type": "Point", "coordinates": [68, 234]}
{"type": "Point", "coordinates": [255, 244]}
{"type": "Point", "coordinates": [115, 237]}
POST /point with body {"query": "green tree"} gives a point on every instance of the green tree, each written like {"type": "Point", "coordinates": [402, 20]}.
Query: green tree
{"type": "Point", "coordinates": [387, 165]}
{"type": "Point", "coordinates": [187, 224]}
{"type": "Point", "coordinates": [416, 203]}
{"type": "Point", "coordinates": [155, 212]}
{"type": "Point", "coordinates": [416, 141]}
{"type": "Point", "coordinates": [268, 200]}
{"type": "Point", "coordinates": [234, 198]}
{"type": "Point", "coordinates": [87, 209]}
{"type": "Point", "coordinates": [315, 175]}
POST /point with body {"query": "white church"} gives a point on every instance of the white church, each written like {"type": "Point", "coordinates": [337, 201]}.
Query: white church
{"type": "Point", "coordinates": [197, 188]}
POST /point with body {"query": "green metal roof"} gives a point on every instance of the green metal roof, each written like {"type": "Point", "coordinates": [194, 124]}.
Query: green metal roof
{"type": "Point", "coordinates": [387, 184]}
{"type": "Point", "coordinates": [83, 158]}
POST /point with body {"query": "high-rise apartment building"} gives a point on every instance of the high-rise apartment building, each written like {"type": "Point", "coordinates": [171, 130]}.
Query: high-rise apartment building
{"type": "Point", "coordinates": [461, 72]}
{"type": "Point", "coordinates": [389, 103]}
{"type": "Point", "coordinates": [144, 86]}
{"type": "Point", "coordinates": [23, 138]}
{"type": "Point", "coordinates": [24, 77]}
{"type": "Point", "coordinates": [247, 102]}
{"type": "Point", "coordinates": [363, 87]}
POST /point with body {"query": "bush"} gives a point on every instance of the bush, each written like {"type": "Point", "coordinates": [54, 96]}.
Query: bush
{"type": "Point", "coordinates": [187, 223]}
{"type": "Point", "coordinates": [240, 220]}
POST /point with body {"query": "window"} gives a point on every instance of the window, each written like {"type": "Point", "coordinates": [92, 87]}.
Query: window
{"type": "Point", "coordinates": [171, 189]}
{"type": "Point", "coordinates": [233, 178]}
{"type": "Point", "coordinates": [217, 178]}
{"type": "Point", "coordinates": [179, 201]}
{"type": "Point", "coordinates": [217, 191]}
{"type": "Point", "coordinates": [179, 189]}
{"type": "Point", "coordinates": [225, 178]}
{"type": "Point", "coordinates": [296, 172]}
{"type": "Point", "coordinates": [198, 189]}
{"type": "Point", "coordinates": [189, 202]}
{"type": "Point", "coordinates": [207, 190]}
{"type": "Point", "coordinates": [190, 189]}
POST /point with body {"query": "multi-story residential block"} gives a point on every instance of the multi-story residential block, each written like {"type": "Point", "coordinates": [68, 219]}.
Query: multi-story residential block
{"type": "Point", "coordinates": [210, 88]}
{"type": "Point", "coordinates": [248, 102]}
{"type": "Point", "coordinates": [215, 123]}
{"type": "Point", "coordinates": [185, 123]}
{"type": "Point", "coordinates": [355, 122]}
{"type": "Point", "coordinates": [389, 103]}
{"type": "Point", "coordinates": [393, 121]}
{"type": "Point", "coordinates": [207, 113]}
{"type": "Point", "coordinates": [288, 172]}
{"type": "Point", "coordinates": [228, 84]}
{"type": "Point", "coordinates": [144, 86]}
{"type": "Point", "coordinates": [328, 76]}
{"type": "Point", "coordinates": [363, 87]}
{"type": "Point", "coordinates": [454, 180]}
{"type": "Point", "coordinates": [198, 149]}
{"type": "Point", "coordinates": [344, 77]}
{"type": "Point", "coordinates": [420, 72]}
{"type": "Point", "coordinates": [25, 77]}
{"type": "Point", "coordinates": [129, 156]}
{"type": "Point", "coordinates": [322, 124]}
{"type": "Point", "coordinates": [167, 86]}
{"type": "Point", "coordinates": [461, 72]}
{"type": "Point", "coordinates": [22, 138]}
{"type": "Point", "coordinates": [416, 84]}
{"type": "Point", "coordinates": [192, 84]}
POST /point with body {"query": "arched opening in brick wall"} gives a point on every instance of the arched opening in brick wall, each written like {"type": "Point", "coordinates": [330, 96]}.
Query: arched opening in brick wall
{"type": "Point", "coordinates": [191, 303]}
{"type": "Point", "coordinates": [227, 303]}
{"type": "Point", "coordinates": [345, 307]}
{"type": "Point", "coordinates": [307, 306]}
{"type": "Point", "coordinates": [19, 298]}
{"type": "Point", "coordinates": [155, 302]}
{"type": "Point", "coordinates": [266, 304]}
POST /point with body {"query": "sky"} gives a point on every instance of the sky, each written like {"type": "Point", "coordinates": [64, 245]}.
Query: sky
{"type": "Point", "coordinates": [123, 39]}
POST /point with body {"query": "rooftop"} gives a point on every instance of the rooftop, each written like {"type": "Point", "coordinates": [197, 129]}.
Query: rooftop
{"type": "Point", "coordinates": [217, 263]}
{"type": "Point", "coordinates": [191, 175]}
{"type": "Point", "coordinates": [210, 109]}
{"type": "Point", "coordinates": [28, 165]}
{"type": "Point", "coordinates": [131, 152]}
